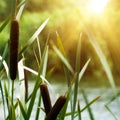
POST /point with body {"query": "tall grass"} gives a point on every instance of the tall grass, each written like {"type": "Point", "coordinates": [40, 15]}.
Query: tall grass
{"type": "Point", "coordinates": [21, 108]}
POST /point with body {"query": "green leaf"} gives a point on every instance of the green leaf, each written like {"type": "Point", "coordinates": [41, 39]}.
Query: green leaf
{"type": "Point", "coordinates": [84, 108]}
{"type": "Point", "coordinates": [20, 11]}
{"type": "Point", "coordinates": [22, 109]}
{"type": "Point", "coordinates": [38, 109]}
{"type": "Point", "coordinates": [4, 24]}
{"type": "Point", "coordinates": [34, 36]}
{"type": "Point", "coordinates": [42, 71]}
{"type": "Point", "coordinates": [79, 112]}
{"type": "Point", "coordinates": [83, 70]}
{"type": "Point", "coordinates": [89, 109]}
{"type": "Point", "coordinates": [78, 53]}
{"type": "Point", "coordinates": [6, 97]}
{"type": "Point", "coordinates": [60, 45]}
{"type": "Point", "coordinates": [62, 113]}
{"type": "Point", "coordinates": [111, 112]}
{"type": "Point", "coordinates": [3, 100]}
{"type": "Point", "coordinates": [102, 59]}
{"type": "Point", "coordinates": [75, 93]}
{"type": "Point", "coordinates": [21, 3]}
{"type": "Point", "coordinates": [63, 59]}
{"type": "Point", "coordinates": [5, 53]}
{"type": "Point", "coordinates": [90, 103]}
{"type": "Point", "coordinates": [67, 75]}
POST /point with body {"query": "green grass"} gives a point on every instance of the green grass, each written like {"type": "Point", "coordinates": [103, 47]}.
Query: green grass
{"type": "Point", "coordinates": [20, 108]}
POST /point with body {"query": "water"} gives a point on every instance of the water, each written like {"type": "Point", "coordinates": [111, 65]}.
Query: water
{"type": "Point", "coordinates": [98, 109]}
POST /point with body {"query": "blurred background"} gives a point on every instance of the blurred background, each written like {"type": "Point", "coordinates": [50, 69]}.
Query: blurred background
{"type": "Point", "coordinates": [67, 18]}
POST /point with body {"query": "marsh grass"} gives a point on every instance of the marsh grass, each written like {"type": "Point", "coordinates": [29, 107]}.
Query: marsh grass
{"type": "Point", "coordinates": [22, 107]}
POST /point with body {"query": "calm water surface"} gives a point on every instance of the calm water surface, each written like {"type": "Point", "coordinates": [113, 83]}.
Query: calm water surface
{"type": "Point", "coordinates": [98, 109]}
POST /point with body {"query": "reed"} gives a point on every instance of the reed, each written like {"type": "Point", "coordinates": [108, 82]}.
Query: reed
{"type": "Point", "coordinates": [26, 84]}
{"type": "Point", "coordinates": [17, 108]}
{"type": "Point", "coordinates": [46, 97]}
{"type": "Point", "coordinates": [14, 42]}
{"type": "Point", "coordinates": [56, 108]}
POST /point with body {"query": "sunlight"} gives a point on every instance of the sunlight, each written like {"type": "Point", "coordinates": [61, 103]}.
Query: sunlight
{"type": "Point", "coordinates": [97, 6]}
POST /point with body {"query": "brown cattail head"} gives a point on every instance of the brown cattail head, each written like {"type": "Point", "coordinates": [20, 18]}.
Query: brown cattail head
{"type": "Point", "coordinates": [46, 97]}
{"type": "Point", "coordinates": [56, 108]}
{"type": "Point", "coordinates": [14, 41]}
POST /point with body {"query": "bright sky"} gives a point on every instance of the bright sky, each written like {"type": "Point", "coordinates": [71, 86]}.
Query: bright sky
{"type": "Point", "coordinates": [93, 6]}
{"type": "Point", "coordinates": [97, 6]}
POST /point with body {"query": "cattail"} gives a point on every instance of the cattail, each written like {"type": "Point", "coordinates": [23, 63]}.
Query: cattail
{"type": "Point", "coordinates": [46, 97]}
{"type": "Point", "coordinates": [56, 108]}
{"type": "Point", "coordinates": [26, 84]}
{"type": "Point", "coordinates": [14, 41]}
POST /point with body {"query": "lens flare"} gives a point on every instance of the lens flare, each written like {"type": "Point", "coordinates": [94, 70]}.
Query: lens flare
{"type": "Point", "coordinates": [97, 6]}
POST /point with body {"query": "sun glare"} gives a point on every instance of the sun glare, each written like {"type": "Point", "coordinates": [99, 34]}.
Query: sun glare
{"type": "Point", "coordinates": [97, 6]}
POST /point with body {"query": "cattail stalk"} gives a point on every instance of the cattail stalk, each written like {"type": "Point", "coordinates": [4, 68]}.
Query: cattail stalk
{"type": "Point", "coordinates": [26, 84]}
{"type": "Point", "coordinates": [46, 97]}
{"type": "Point", "coordinates": [56, 108]}
{"type": "Point", "coordinates": [14, 41]}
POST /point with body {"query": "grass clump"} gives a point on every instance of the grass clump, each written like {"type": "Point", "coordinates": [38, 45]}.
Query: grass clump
{"type": "Point", "coordinates": [22, 107]}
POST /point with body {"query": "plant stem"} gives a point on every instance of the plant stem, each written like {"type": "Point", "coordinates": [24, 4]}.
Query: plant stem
{"type": "Point", "coordinates": [12, 91]}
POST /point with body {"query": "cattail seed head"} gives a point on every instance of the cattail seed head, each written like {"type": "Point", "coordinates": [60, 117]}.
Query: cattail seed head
{"type": "Point", "coordinates": [14, 41]}
{"type": "Point", "coordinates": [56, 108]}
{"type": "Point", "coordinates": [46, 97]}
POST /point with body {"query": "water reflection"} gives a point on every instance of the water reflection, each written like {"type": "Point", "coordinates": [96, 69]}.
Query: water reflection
{"type": "Point", "coordinates": [98, 108]}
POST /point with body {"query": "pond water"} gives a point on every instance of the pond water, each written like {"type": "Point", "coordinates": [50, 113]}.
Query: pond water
{"type": "Point", "coordinates": [98, 109]}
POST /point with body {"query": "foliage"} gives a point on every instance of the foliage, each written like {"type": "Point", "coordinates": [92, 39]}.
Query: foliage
{"type": "Point", "coordinates": [22, 107]}
{"type": "Point", "coordinates": [57, 11]}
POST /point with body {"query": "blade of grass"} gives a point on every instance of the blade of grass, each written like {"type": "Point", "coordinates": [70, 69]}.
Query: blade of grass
{"type": "Point", "coordinates": [21, 80]}
{"type": "Point", "coordinates": [59, 43]}
{"type": "Point", "coordinates": [6, 97]}
{"type": "Point", "coordinates": [50, 72]}
{"type": "Point", "coordinates": [67, 75]}
{"type": "Point", "coordinates": [111, 112]}
{"type": "Point", "coordinates": [42, 71]}
{"type": "Point", "coordinates": [102, 59]}
{"type": "Point", "coordinates": [84, 108]}
{"type": "Point", "coordinates": [36, 58]}
{"type": "Point", "coordinates": [78, 52]}
{"type": "Point", "coordinates": [113, 98]}
{"type": "Point", "coordinates": [5, 66]}
{"type": "Point", "coordinates": [39, 48]}
{"type": "Point", "coordinates": [90, 103]}
{"type": "Point", "coordinates": [20, 11]}
{"type": "Point", "coordinates": [4, 24]}
{"type": "Point", "coordinates": [22, 109]}
{"type": "Point", "coordinates": [10, 106]}
{"type": "Point", "coordinates": [38, 109]}
{"type": "Point", "coordinates": [34, 36]}
{"type": "Point", "coordinates": [3, 100]}
{"type": "Point", "coordinates": [75, 92]}
{"type": "Point", "coordinates": [21, 76]}
{"type": "Point", "coordinates": [62, 113]}
{"type": "Point", "coordinates": [63, 59]}
{"type": "Point", "coordinates": [83, 69]}
{"type": "Point", "coordinates": [21, 3]}
{"type": "Point", "coordinates": [5, 52]}
{"type": "Point", "coordinates": [89, 109]}
{"type": "Point", "coordinates": [36, 73]}
{"type": "Point", "coordinates": [79, 112]}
